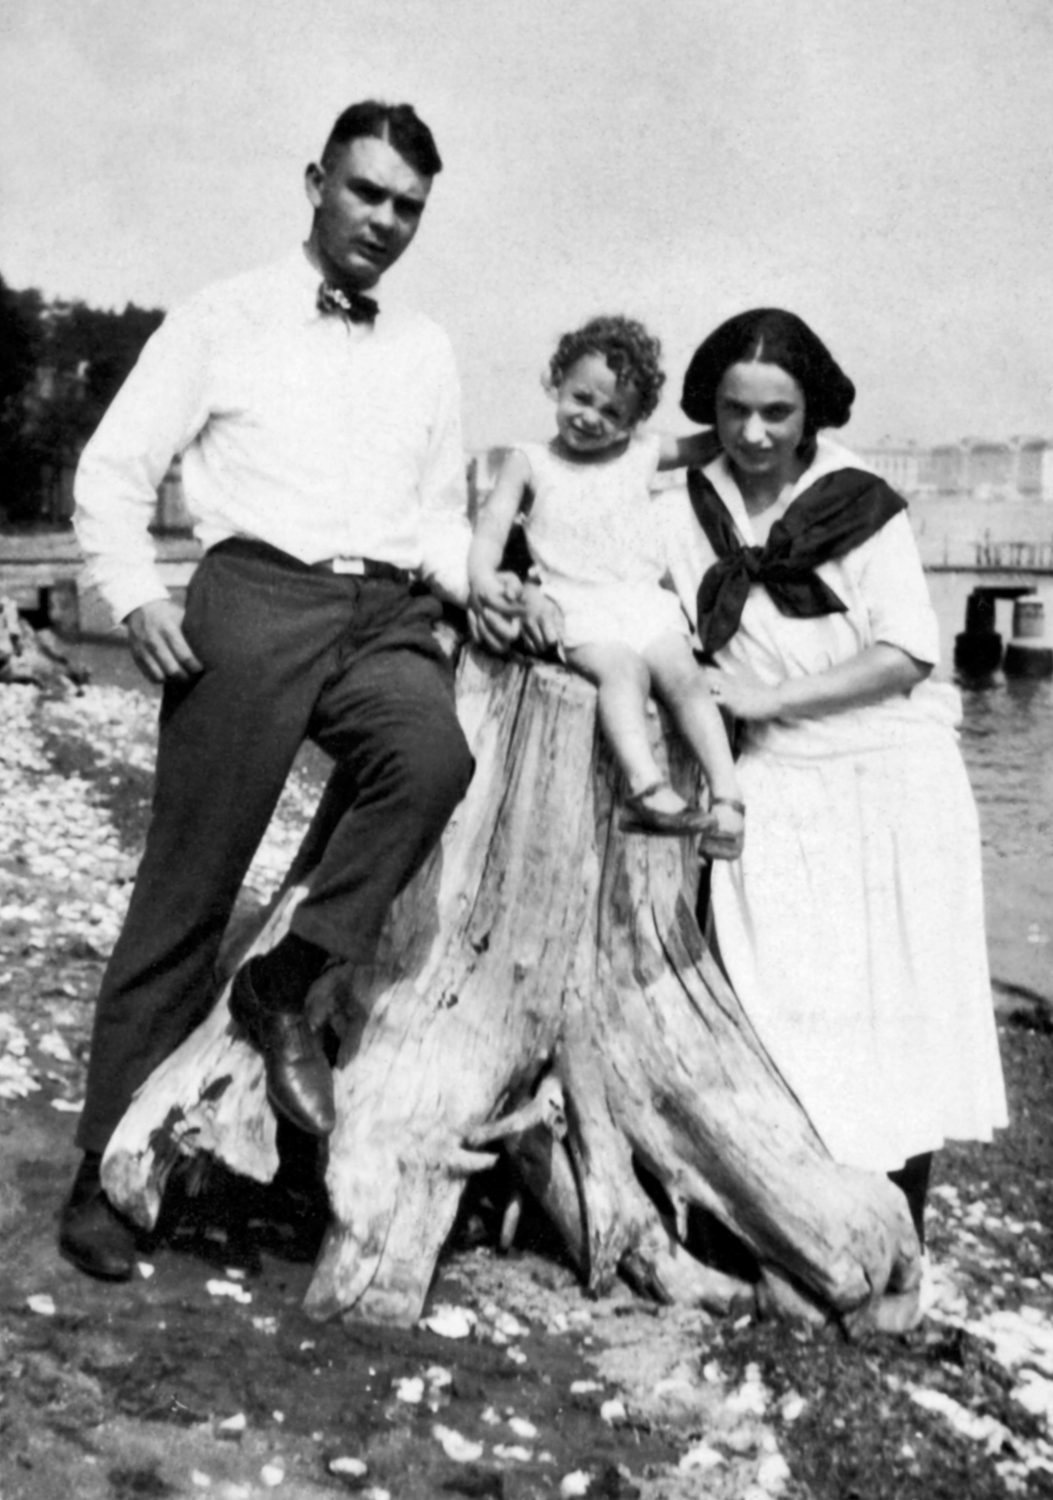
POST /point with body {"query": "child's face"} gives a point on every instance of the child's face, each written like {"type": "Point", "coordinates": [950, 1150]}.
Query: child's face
{"type": "Point", "coordinates": [592, 411]}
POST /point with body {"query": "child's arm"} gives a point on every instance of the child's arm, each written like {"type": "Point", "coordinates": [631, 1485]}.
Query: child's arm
{"type": "Point", "coordinates": [692, 452]}
{"type": "Point", "coordinates": [490, 588]}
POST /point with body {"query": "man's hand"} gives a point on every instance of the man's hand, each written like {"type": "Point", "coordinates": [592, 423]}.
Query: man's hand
{"type": "Point", "coordinates": [497, 632]}
{"type": "Point", "coordinates": [494, 610]}
{"type": "Point", "coordinates": [160, 649]}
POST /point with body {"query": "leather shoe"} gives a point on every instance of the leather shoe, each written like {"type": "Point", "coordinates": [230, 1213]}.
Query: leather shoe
{"type": "Point", "coordinates": [299, 1080]}
{"type": "Point", "coordinates": [93, 1236]}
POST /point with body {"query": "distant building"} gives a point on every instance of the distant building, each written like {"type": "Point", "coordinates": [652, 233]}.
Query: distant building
{"type": "Point", "coordinates": [899, 464]}
{"type": "Point", "coordinates": [1019, 468]}
{"type": "Point", "coordinates": [1034, 468]}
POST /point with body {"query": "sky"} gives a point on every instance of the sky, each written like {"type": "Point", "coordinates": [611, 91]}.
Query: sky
{"type": "Point", "coordinates": [884, 168]}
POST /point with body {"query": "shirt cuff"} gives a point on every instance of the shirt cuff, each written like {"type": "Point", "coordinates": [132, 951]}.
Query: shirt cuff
{"type": "Point", "coordinates": [120, 596]}
{"type": "Point", "coordinates": [444, 567]}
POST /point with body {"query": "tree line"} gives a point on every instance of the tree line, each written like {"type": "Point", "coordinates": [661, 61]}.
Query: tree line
{"type": "Point", "coordinates": [61, 363]}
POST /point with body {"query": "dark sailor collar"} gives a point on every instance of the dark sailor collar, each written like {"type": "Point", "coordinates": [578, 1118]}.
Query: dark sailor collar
{"type": "Point", "coordinates": [835, 507]}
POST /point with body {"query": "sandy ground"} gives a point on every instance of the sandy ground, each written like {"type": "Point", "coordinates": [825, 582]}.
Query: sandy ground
{"type": "Point", "coordinates": [203, 1377]}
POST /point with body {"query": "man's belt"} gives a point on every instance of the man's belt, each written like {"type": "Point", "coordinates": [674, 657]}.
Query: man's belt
{"type": "Point", "coordinates": [364, 567]}
{"type": "Point", "coordinates": [356, 567]}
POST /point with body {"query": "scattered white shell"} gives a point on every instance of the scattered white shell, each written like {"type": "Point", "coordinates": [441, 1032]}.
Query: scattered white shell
{"type": "Point", "coordinates": [749, 1399]}
{"type": "Point", "coordinates": [272, 1475]}
{"type": "Point", "coordinates": [986, 1430]}
{"type": "Point", "coordinates": [513, 1452]}
{"type": "Point", "coordinates": [516, 1356]}
{"type": "Point", "coordinates": [791, 1407]}
{"type": "Point", "coordinates": [233, 1426]}
{"type": "Point", "coordinates": [773, 1473]}
{"type": "Point", "coordinates": [613, 1411]}
{"type": "Point", "coordinates": [265, 1325]}
{"type": "Point", "coordinates": [55, 1045]}
{"type": "Point", "coordinates": [450, 1322]}
{"type": "Point", "coordinates": [504, 1323]}
{"type": "Point", "coordinates": [42, 1303]}
{"type": "Point", "coordinates": [700, 1457]}
{"type": "Point", "coordinates": [437, 1377]}
{"type": "Point", "coordinates": [489, 1416]}
{"type": "Point", "coordinates": [409, 1389]}
{"type": "Point", "coordinates": [454, 1445]}
{"type": "Point", "coordinates": [522, 1428]}
{"type": "Point", "coordinates": [351, 1468]}
{"type": "Point", "coordinates": [200, 1480]}
{"type": "Point", "coordinates": [145, 1269]}
{"type": "Point", "coordinates": [577, 1483]}
{"type": "Point", "coordinates": [229, 1289]}
{"type": "Point", "coordinates": [584, 1387]}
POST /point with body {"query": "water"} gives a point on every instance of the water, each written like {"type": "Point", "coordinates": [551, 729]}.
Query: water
{"type": "Point", "coordinates": [1007, 742]}
{"type": "Point", "coordinates": [1007, 734]}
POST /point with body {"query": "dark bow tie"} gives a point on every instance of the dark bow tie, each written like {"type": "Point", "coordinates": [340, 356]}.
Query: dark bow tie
{"type": "Point", "coordinates": [353, 307]}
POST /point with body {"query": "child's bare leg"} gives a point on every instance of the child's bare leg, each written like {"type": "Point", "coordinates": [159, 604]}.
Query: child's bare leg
{"type": "Point", "coordinates": [681, 684]}
{"type": "Point", "coordinates": [624, 683]}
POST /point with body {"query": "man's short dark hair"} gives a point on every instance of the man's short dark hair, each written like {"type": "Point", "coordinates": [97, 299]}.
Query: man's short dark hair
{"type": "Point", "coordinates": [398, 124]}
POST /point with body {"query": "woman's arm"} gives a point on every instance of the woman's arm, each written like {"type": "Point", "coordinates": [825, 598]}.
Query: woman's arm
{"type": "Point", "coordinates": [881, 671]}
{"type": "Point", "coordinates": [692, 452]}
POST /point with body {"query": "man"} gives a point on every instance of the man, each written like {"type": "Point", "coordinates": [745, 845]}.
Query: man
{"type": "Point", "coordinates": [322, 461]}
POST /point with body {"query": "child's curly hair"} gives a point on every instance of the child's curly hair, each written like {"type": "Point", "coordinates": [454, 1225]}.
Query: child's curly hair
{"type": "Point", "coordinates": [632, 353]}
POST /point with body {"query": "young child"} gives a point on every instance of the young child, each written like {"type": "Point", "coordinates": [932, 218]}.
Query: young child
{"type": "Point", "coordinates": [595, 539]}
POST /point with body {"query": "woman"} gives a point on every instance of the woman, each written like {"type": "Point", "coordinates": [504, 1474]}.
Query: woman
{"type": "Point", "coordinates": [852, 927]}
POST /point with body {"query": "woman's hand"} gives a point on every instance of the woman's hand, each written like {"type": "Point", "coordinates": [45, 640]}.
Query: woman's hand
{"type": "Point", "coordinates": [542, 620]}
{"type": "Point", "coordinates": [744, 696]}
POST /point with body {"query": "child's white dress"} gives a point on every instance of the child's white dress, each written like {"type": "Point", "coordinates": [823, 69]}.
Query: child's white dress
{"type": "Point", "coordinates": [852, 928]}
{"type": "Point", "coordinates": [594, 534]}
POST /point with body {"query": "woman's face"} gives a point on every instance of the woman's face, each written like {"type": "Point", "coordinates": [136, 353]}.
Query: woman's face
{"type": "Point", "coordinates": [760, 420]}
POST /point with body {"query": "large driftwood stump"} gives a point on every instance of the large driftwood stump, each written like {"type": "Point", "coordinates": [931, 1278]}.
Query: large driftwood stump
{"type": "Point", "coordinates": [543, 984]}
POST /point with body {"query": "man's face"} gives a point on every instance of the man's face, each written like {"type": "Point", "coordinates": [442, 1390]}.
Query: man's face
{"type": "Point", "coordinates": [367, 205]}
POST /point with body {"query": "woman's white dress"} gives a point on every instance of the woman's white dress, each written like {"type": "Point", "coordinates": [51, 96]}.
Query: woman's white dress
{"type": "Point", "coordinates": [852, 928]}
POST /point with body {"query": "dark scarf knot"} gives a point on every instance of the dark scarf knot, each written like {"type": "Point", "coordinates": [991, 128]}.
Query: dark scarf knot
{"type": "Point", "coordinates": [833, 516]}
{"type": "Point", "coordinates": [353, 307]}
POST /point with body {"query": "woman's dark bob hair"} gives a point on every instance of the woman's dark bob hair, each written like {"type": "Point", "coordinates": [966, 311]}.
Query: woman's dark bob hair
{"type": "Point", "coordinates": [778, 338]}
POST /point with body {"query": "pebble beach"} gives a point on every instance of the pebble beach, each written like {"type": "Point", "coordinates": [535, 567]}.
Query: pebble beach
{"type": "Point", "coordinates": [202, 1375]}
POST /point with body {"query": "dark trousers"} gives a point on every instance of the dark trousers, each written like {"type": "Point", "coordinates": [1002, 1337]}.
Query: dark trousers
{"type": "Point", "coordinates": [290, 653]}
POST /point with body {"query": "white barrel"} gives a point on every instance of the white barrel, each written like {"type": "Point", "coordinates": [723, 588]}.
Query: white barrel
{"type": "Point", "coordinates": [1029, 620]}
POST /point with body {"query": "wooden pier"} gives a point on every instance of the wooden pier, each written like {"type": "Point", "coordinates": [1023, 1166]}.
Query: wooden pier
{"type": "Point", "coordinates": [40, 572]}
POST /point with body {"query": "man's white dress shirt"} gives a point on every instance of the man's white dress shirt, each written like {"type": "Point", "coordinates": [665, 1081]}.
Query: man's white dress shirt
{"type": "Point", "coordinates": [323, 438]}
